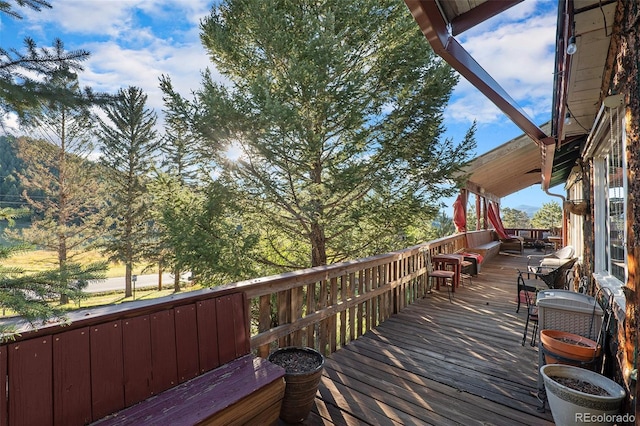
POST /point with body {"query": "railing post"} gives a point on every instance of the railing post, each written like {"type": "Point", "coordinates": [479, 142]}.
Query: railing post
{"type": "Point", "coordinates": [283, 305]}
{"type": "Point", "coordinates": [343, 315]}
{"type": "Point", "coordinates": [361, 306]}
{"type": "Point", "coordinates": [351, 291]}
{"type": "Point", "coordinates": [311, 307]}
{"type": "Point", "coordinates": [264, 321]}
{"type": "Point", "coordinates": [296, 313]}
{"type": "Point", "coordinates": [332, 321]}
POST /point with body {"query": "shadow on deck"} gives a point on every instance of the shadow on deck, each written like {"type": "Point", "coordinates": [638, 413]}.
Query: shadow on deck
{"type": "Point", "coordinates": [440, 363]}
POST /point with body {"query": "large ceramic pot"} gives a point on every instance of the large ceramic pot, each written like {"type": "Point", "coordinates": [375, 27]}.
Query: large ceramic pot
{"type": "Point", "coordinates": [560, 347]}
{"type": "Point", "coordinates": [303, 371]}
{"type": "Point", "coordinates": [570, 406]}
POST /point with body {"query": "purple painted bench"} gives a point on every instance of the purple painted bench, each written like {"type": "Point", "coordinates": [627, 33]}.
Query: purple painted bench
{"type": "Point", "coordinates": [247, 390]}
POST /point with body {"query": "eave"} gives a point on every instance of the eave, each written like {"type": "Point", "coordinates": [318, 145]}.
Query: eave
{"type": "Point", "coordinates": [577, 83]}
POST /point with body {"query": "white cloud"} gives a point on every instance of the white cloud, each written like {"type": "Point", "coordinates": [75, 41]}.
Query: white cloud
{"type": "Point", "coordinates": [9, 124]}
{"type": "Point", "coordinates": [518, 52]}
{"type": "Point", "coordinates": [132, 42]}
{"type": "Point", "coordinates": [81, 17]}
{"type": "Point", "coordinates": [112, 67]}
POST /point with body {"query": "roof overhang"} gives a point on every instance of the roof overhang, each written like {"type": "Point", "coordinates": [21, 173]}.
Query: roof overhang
{"type": "Point", "coordinates": [577, 84]}
{"type": "Point", "coordinates": [581, 79]}
{"type": "Point", "coordinates": [506, 169]}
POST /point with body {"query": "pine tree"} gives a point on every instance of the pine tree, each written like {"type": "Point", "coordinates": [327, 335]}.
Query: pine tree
{"type": "Point", "coordinates": [549, 216]}
{"type": "Point", "coordinates": [67, 209]}
{"type": "Point", "coordinates": [5, 6]}
{"type": "Point", "coordinates": [444, 225]}
{"type": "Point", "coordinates": [337, 107]}
{"type": "Point", "coordinates": [30, 294]}
{"type": "Point", "coordinates": [180, 167]}
{"type": "Point", "coordinates": [201, 228]}
{"type": "Point", "coordinates": [514, 218]}
{"type": "Point", "coordinates": [129, 149]}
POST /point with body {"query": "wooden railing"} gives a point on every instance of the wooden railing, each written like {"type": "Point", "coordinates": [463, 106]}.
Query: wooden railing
{"type": "Point", "coordinates": [327, 307]}
{"type": "Point", "coordinates": [529, 234]}
{"type": "Point", "coordinates": [322, 307]}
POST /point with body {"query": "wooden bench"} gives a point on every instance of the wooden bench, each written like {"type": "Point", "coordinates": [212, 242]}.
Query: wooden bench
{"type": "Point", "coordinates": [185, 357]}
{"type": "Point", "coordinates": [487, 250]}
{"type": "Point", "coordinates": [245, 391]}
{"type": "Point", "coordinates": [483, 243]}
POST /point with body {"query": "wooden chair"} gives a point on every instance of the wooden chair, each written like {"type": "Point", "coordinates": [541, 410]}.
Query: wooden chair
{"type": "Point", "coordinates": [446, 274]}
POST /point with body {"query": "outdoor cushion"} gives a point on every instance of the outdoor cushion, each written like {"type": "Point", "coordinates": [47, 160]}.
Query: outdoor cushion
{"type": "Point", "coordinates": [557, 258]}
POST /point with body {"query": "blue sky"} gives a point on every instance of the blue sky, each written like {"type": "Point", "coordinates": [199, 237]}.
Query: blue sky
{"type": "Point", "coordinates": [134, 42]}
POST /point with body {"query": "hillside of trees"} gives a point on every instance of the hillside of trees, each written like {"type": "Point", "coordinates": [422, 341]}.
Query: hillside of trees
{"type": "Point", "coordinates": [10, 166]}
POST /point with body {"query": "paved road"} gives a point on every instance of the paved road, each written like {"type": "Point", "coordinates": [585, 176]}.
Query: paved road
{"type": "Point", "coordinates": [113, 284]}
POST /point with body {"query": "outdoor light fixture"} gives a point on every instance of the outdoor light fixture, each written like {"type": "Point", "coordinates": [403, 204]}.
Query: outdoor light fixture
{"type": "Point", "coordinates": [571, 47]}
{"type": "Point", "coordinates": [567, 118]}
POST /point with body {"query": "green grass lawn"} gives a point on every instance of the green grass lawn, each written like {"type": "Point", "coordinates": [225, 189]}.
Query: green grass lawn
{"type": "Point", "coordinates": [42, 260]}
{"type": "Point", "coordinates": [114, 298]}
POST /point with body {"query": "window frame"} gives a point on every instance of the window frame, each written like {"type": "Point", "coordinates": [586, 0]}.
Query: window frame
{"type": "Point", "coordinates": [614, 130]}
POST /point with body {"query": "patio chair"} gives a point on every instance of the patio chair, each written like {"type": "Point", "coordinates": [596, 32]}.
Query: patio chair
{"type": "Point", "coordinates": [550, 261]}
{"type": "Point", "coordinates": [543, 279]}
{"type": "Point", "coordinates": [449, 276]}
{"type": "Point", "coordinates": [512, 244]}
{"type": "Point", "coordinates": [532, 317]}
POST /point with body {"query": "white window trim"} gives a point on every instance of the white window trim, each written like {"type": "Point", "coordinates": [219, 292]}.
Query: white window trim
{"type": "Point", "coordinates": [599, 149]}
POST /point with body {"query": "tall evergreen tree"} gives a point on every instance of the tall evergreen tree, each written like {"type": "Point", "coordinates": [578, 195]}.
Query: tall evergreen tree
{"type": "Point", "coordinates": [203, 229]}
{"type": "Point", "coordinates": [514, 218]}
{"type": "Point", "coordinates": [180, 167]}
{"type": "Point", "coordinates": [129, 149]}
{"type": "Point", "coordinates": [67, 208]}
{"type": "Point", "coordinates": [180, 155]}
{"type": "Point", "coordinates": [444, 225]}
{"type": "Point", "coordinates": [337, 106]}
{"type": "Point", "coordinates": [549, 216]}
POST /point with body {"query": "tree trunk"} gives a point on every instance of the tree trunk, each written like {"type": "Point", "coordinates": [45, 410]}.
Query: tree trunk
{"type": "Point", "coordinates": [176, 280]}
{"type": "Point", "coordinates": [127, 279]}
{"type": "Point", "coordinates": [62, 264]}
{"type": "Point", "coordinates": [318, 246]}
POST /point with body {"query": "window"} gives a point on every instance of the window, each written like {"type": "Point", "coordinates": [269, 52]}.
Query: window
{"type": "Point", "coordinates": [610, 200]}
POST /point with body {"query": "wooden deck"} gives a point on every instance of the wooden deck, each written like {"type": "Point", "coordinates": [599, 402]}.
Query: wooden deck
{"type": "Point", "coordinates": [440, 363]}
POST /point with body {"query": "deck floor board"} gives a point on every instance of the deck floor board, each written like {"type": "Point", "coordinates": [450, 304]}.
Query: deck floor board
{"type": "Point", "coordinates": [440, 363]}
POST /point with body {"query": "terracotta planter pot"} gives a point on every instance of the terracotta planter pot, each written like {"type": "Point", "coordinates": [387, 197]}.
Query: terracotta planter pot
{"type": "Point", "coordinates": [570, 406]}
{"type": "Point", "coordinates": [561, 347]}
{"type": "Point", "coordinates": [303, 371]}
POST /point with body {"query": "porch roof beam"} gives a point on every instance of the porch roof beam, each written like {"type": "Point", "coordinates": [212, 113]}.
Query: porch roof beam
{"type": "Point", "coordinates": [479, 14]}
{"type": "Point", "coordinates": [433, 25]}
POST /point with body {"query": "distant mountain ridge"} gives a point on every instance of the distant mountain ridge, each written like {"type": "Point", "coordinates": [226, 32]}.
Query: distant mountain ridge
{"type": "Point", "coordinates": [529, 210]}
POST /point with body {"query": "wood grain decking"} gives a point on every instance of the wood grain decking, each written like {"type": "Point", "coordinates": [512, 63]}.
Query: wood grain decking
{"type": "Point", "coordinates": [440, 363]}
